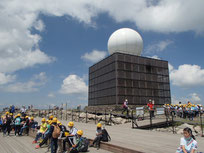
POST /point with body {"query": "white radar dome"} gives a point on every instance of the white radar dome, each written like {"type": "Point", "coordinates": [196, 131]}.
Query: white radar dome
{"type": "Point", "coordinates": [125, 40]}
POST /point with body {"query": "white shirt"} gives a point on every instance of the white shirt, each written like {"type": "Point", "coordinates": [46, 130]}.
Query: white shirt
{"type": "Point", "coordinates": [189, 145]}
{"type": "Point", "coordinates": [73, 131]}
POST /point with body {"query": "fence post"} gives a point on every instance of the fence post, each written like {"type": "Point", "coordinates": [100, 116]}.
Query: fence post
{"type": "Point", "coordinates": [105, 117]}
{"type": "Point", "coordinates": [66, 112]}
{"type": "Point", "coordinates": [132, 119]}
{"type": "Point", "coordinates": [61, 114]}
{"type": "Point", "coordinates": [79, 116]}
{"type": "Point", "coordinates": [95, 116]}
{"type": "Point", "coordinates": [173, 123]}
{"type": "Point", "coordinates": [72, 114]}
{"type": "Point", "coordinates": [150, 118]}
{"type": "Point", "coordinates": [201, 124]}
{"type": "Point", "coordinates": [86, 116]}
{"type": "Point", "coordinates": [110, 118]}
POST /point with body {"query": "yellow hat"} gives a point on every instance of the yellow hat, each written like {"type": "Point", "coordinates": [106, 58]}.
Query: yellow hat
{"type": "Point", "coordinates": [26, 117]}
{"type": "Point", "coordinates": [43, 120]}
{"type": "Point", "coordinates": [11, 114]}
{"type": "Point", "coordinates": [66, 134]}
{"type": "Point", "coordinates": [32, 118]}
{"type": "Point", "coordinates": [18, 114]}
{"type": "Point", "coordinates": [80, 132]}
{"type": "Point", "coordinates": [54, 120]}
{"type": "Point", "coordinates": [7, 113]}
{"type": "Point", "coordinates": [58, 122]}
{"type": "Point", "coordinates": [99, 125]}
{"type": "Point", "coordinates": [71, 124]}
{"type": "Point", "coordinates": [51, 117]}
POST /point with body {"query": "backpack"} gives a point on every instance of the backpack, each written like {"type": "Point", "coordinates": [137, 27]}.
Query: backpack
{"type": "Point", "coordinates": [105, 136]}
{"type": "Point", "coordinates": [84, 145]}
{"type": "Point", "coordinates": [56, 131]}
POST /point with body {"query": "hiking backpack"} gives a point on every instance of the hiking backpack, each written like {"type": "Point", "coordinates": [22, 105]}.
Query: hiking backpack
{"type": "Point", "coordinates": [56, 131]}
{"type": "Point", "coordinates": [84, 145]}
{"type": "Point", "coordinates": [105, 136]}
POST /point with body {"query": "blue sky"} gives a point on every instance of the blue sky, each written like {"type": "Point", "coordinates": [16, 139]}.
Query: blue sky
{"type": "Point", "coordinates": [46, 48]}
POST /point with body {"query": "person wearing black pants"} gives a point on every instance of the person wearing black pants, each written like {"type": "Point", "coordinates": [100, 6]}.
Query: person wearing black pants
{"type": "Point", "coordinates": [8, 124]}
{"type": "Point", "coordinates": [99, 136]}
{"type": "Point", "coordinates": [54, 141]}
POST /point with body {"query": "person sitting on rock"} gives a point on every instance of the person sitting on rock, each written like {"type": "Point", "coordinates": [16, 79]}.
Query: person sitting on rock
{"type": "Point", "coordinates": [99, 136]}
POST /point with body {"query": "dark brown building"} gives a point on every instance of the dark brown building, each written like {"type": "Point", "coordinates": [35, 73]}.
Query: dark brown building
{"type": "Point", "coordinates": [122, 76]}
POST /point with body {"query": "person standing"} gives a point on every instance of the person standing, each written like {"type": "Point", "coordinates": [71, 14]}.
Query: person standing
{"type": "Point", "coordinates": [151, 107]}
{"type": "Point", "coordinates": [8, 124]}
{"type": "Point", "coordinates": [125, 107]}
{"type": "Point", "coordinates": [17, 124]}
{"type": "Point", "coordinates": [54, 132]}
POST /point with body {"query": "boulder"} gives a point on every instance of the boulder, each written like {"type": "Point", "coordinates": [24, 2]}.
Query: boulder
{"type": "Point", "coordinates": [180, 131]}
{"type": "Point", "coordinates": [185, 125]}
{"type": "Point", "coordinates": [118, 120]}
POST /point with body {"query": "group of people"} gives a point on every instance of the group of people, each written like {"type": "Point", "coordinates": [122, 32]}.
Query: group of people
{"type": "Point", "coordinates": [188, 110]}
{"type": "Point", "coordinates": [18, 123]}
{"type": "Point", "coordinates": [52, 129]}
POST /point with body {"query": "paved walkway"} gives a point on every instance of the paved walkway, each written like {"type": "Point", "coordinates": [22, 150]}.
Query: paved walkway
{"type": "Point", "coordinates": [141, 140]}
{"type": "Point", "coordinates": [24, 144]}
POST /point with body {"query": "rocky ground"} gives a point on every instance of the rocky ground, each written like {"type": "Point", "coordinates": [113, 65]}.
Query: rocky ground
{"type": "Point", "coordinates": [179, 129]}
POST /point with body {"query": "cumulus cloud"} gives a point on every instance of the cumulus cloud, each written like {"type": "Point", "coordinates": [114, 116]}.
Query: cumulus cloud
{"type": "Point", "coordinates": [187, 76]}
{"type": "Point", "coordinates": [195, 97]}
{"type": "Point", "coordinates": [159, 46]}
{"type": "Point", "coordinates": [192, 97]}
{"type": "Point", "coordinates": [19, 48]}
{"type": "Point", "coordinates": [94, 56]}
{"type": "Point", "coordinates": [32, 85]}
{"type": "Point", "coordinates": [4, 79]}
{"type": "Point", "coordinates": [73, 84]}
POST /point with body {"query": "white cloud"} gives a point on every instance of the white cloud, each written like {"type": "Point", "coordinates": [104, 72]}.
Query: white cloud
{"type": "Point", "coordinates": [19, 47]}
{"type": "Point", "coordinates": [195, 97]}
{"type": "Point", "coordinates": [159, 46]}
{"type": "Point", "coordinates": [187, 76]}
{"type": "Point", "coordinates": [32, 85]}
{"type": "Point", "coordinates": [39, 25]}
{"type": "Point", "coordinates": [94, 56]}
{"type": "Point", "coordinates": [159, 16]}
{"type": "Point", "coordinates": [74, 84]}
{"type": "Point", "coordinates": [192, 97]}
{"type": "Point", "coordinates": [4, 79]}
{"type": "Point", "coordinates": [154, 57]}
{"type": "Point", "coordinates": [51, 95]}
{"type": "Point", "coordinates": [171, 68]}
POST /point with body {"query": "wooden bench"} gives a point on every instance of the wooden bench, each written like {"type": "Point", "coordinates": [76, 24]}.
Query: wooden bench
{"type": "Point", "coordinates": [104, 145]}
